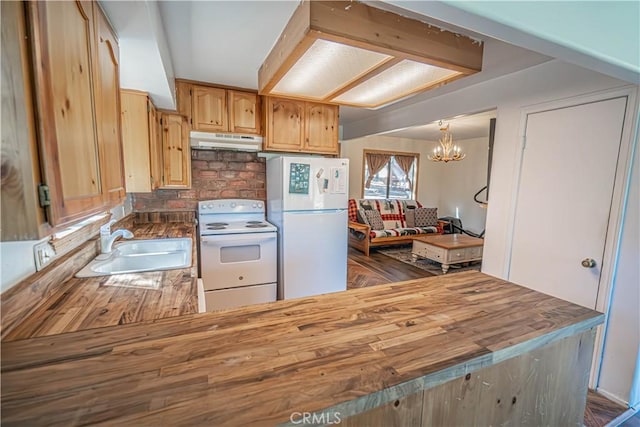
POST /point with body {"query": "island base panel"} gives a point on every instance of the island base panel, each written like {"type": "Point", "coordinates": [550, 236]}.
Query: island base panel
{"type": "Point", "coordinates": [546, 386]}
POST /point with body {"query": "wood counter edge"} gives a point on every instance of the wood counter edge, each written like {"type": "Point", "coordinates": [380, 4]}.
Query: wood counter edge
{"type": "Point", "coordinates": [388, 395]}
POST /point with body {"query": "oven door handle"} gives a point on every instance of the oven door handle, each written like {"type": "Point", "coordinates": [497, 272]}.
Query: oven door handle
{"type": "Point", "coordinates": [255, 238]}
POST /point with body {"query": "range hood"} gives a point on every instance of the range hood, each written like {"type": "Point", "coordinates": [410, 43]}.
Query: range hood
{"type": "Point", "coordinates": [225, 141]}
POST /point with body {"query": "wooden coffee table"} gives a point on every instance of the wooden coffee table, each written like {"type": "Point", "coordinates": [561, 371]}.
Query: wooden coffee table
{"type": "Point", "coordinates": [447, 249]}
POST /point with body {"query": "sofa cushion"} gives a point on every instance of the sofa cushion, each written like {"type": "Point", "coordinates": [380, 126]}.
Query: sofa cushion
{"type": "Point", "coordinates": [422, 217]}
{"type": "Point", "coordinates": [390, 211]}
{"type": "Point", "coordinates": [397, 232]}
{"type": "Point", "coordinates": [374, 219]}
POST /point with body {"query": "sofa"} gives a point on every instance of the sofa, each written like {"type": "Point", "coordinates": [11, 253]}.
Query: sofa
{"type": "Point", "coordinates": [383, 222]}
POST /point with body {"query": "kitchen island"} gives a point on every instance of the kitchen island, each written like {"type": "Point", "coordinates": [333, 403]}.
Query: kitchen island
{"type": "Point", "coordinates": [449, 350]}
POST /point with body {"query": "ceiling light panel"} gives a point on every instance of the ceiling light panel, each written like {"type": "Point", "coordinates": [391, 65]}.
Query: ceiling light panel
{"type": "Point", "coordinates": [394, 83]}
{"type": "Point", "coordinates": [350, 53]}
{"type": "Point", "coordinates": [325, 67]}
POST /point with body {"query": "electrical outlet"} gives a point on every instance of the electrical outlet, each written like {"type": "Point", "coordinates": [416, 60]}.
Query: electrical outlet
{"type": "Point", "coordinates": [44, 254]}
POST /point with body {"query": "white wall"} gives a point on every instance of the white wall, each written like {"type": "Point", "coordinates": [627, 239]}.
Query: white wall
{"type": "Point", "coordinates": [17, 260]}
{"type": "Point", "coordinates": [445, 186]}
{"type": "Point", "coordinates": [623, 326]}
{"type": "Point", "coordinates": [459, 181]}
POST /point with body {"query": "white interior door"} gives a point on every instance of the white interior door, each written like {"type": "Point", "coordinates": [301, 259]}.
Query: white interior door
{"type": "Point", "coordinates": [564, 199]}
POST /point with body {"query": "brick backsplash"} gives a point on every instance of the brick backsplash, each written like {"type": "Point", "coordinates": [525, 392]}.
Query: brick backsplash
{"type": "Point", "coordinates": [214, 175]}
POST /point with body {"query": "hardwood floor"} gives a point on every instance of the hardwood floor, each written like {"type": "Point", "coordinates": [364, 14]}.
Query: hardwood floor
{"type": "Point", "coordinates": [378, 269]}
{"type": "Point", "coordinates": [600, 410]}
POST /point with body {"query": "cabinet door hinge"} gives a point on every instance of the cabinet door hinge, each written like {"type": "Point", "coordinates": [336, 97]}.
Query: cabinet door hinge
{"type": "Point", "coordinates": [44, 196]}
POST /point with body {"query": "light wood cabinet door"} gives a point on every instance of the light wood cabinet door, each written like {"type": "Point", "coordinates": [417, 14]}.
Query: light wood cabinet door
{"type": "Point", "coordinates": [244, 112]}
{"type": "Point", "coordinates": [321, 133]}
{"type": "Point", "coordinates": [285, 124]}
{"type": "Point", "coordinates": [108, 111]}
{"type": "Point", "coordinates": [62, 45]}
{"type": "Point", "coordinates": [136, 141]}
{"type": "Point", "coordinates": [209, 109]}
{"type": "Point", "coordinates": [155, 146]}
{"type": "Point", "coordinates": [21, 215]}
{"type": "Point", "coordinates": [176, 152]}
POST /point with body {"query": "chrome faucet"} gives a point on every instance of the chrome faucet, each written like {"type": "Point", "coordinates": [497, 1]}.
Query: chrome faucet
{"type": "Point", "coordinates": [107, 237]}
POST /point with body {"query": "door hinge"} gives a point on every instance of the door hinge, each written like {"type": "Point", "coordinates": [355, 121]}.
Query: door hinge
{"type": "Point", "coordinates": [44, 196]}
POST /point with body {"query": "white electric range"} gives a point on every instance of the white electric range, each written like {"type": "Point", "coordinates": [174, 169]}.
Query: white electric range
{"type": "Point", "coordinates": [238, 254]}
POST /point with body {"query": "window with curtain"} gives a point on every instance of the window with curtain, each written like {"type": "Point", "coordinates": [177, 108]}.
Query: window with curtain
{"type": "Point", "coordinates": [390, 175]}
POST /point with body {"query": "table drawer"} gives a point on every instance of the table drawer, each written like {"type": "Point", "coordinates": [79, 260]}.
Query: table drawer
{"type": "Point", "coordinates": [465, 254]}
{"type": "Point", "coordinates": [427, 251]}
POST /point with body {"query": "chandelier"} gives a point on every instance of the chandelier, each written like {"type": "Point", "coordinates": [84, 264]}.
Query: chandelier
{"type": "Point", "coordinates": [446, 151]}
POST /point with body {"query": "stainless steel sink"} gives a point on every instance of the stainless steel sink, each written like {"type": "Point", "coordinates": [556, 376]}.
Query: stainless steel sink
{"type": "Point", "coordinates": [137, 256]}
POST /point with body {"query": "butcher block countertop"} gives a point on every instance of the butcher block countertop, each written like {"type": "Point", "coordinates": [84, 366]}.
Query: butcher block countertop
{"type": "Point", "coordinates": [94, 302]}
{"type": "Point", "coordinates": [257, 365]}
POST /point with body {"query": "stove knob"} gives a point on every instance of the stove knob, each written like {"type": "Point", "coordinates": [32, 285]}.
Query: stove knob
{"type": "Point", "coordinates": [260, 205]}
{"type": "Point", "coordinates": [210, 206]}
{"type": "Point", "coordinates": [255, 205]}
{"type": "Point", "coordinates": [233, 205]}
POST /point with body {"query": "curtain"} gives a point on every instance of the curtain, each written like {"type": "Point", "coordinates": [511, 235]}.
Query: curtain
{"type": "Point", "coordinates": [405, 163]}
{"type": "Point", "coordinates": [375, 163]}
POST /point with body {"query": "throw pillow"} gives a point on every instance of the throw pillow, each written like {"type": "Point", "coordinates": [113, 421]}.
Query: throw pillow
{"type": "Point", "coordinates": [410, 216]}
{"type": "Point", "coordinates": [374, 219]}
{"type": "Point", "coordinates": [426, 217]}
{"type": "Point", "coordinates": [362, 218]}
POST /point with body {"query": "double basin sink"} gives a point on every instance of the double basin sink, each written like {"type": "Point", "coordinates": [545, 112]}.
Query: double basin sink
{"type": "Point", "coordinates": [137, 256]}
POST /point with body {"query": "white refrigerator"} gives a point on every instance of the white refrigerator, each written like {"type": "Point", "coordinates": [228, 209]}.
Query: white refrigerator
{"type": "Point", "coordinates": [307, 199]}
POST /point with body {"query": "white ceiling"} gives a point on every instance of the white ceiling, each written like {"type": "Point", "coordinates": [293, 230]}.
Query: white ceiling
{"type": "Point", "coordinates": [461, 127]}
{"type": "Point", "coordinates": [225, 42]}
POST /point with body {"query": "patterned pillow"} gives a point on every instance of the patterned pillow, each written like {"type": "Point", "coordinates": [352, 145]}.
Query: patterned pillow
{"type": "Point", "coordinates": [410, 216]}
{"type": "Point", "coordinates": [424, 217]}
{"type": "Point", "coordinates": [374, 219]}
{"type": "Point", "coordinates": [362, 217]}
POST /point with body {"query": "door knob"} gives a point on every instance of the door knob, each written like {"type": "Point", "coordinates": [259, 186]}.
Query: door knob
{"type": "Point", "coordinates": [588, 263]}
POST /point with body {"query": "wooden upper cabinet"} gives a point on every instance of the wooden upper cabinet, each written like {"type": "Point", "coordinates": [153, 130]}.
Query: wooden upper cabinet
{"type": "Point", "coordinates": [155, 146]}
{"type": "Point", "coordinates": [136, 137]}
{"type": "Point", "coordinates": [63, 48]}
{"type": "Point", "coordinates": [244, 108]}
{"type": "Point", "coordinates": [284, 124]}
{"type": "Point", "coordinates": [21, 215]}
{"type": "Point", "coordinates": [216, 109]}
{"type": "Point", "coordinates": [108, 111]}
{"type": "Point", "coordinates": [300, 127]}
{"type": "Point", "coordinates": [176, 151]}
{"type": "Point", "coordinates": [209, 109]}
{"type": "Point", "coordinates": [321, 135]}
